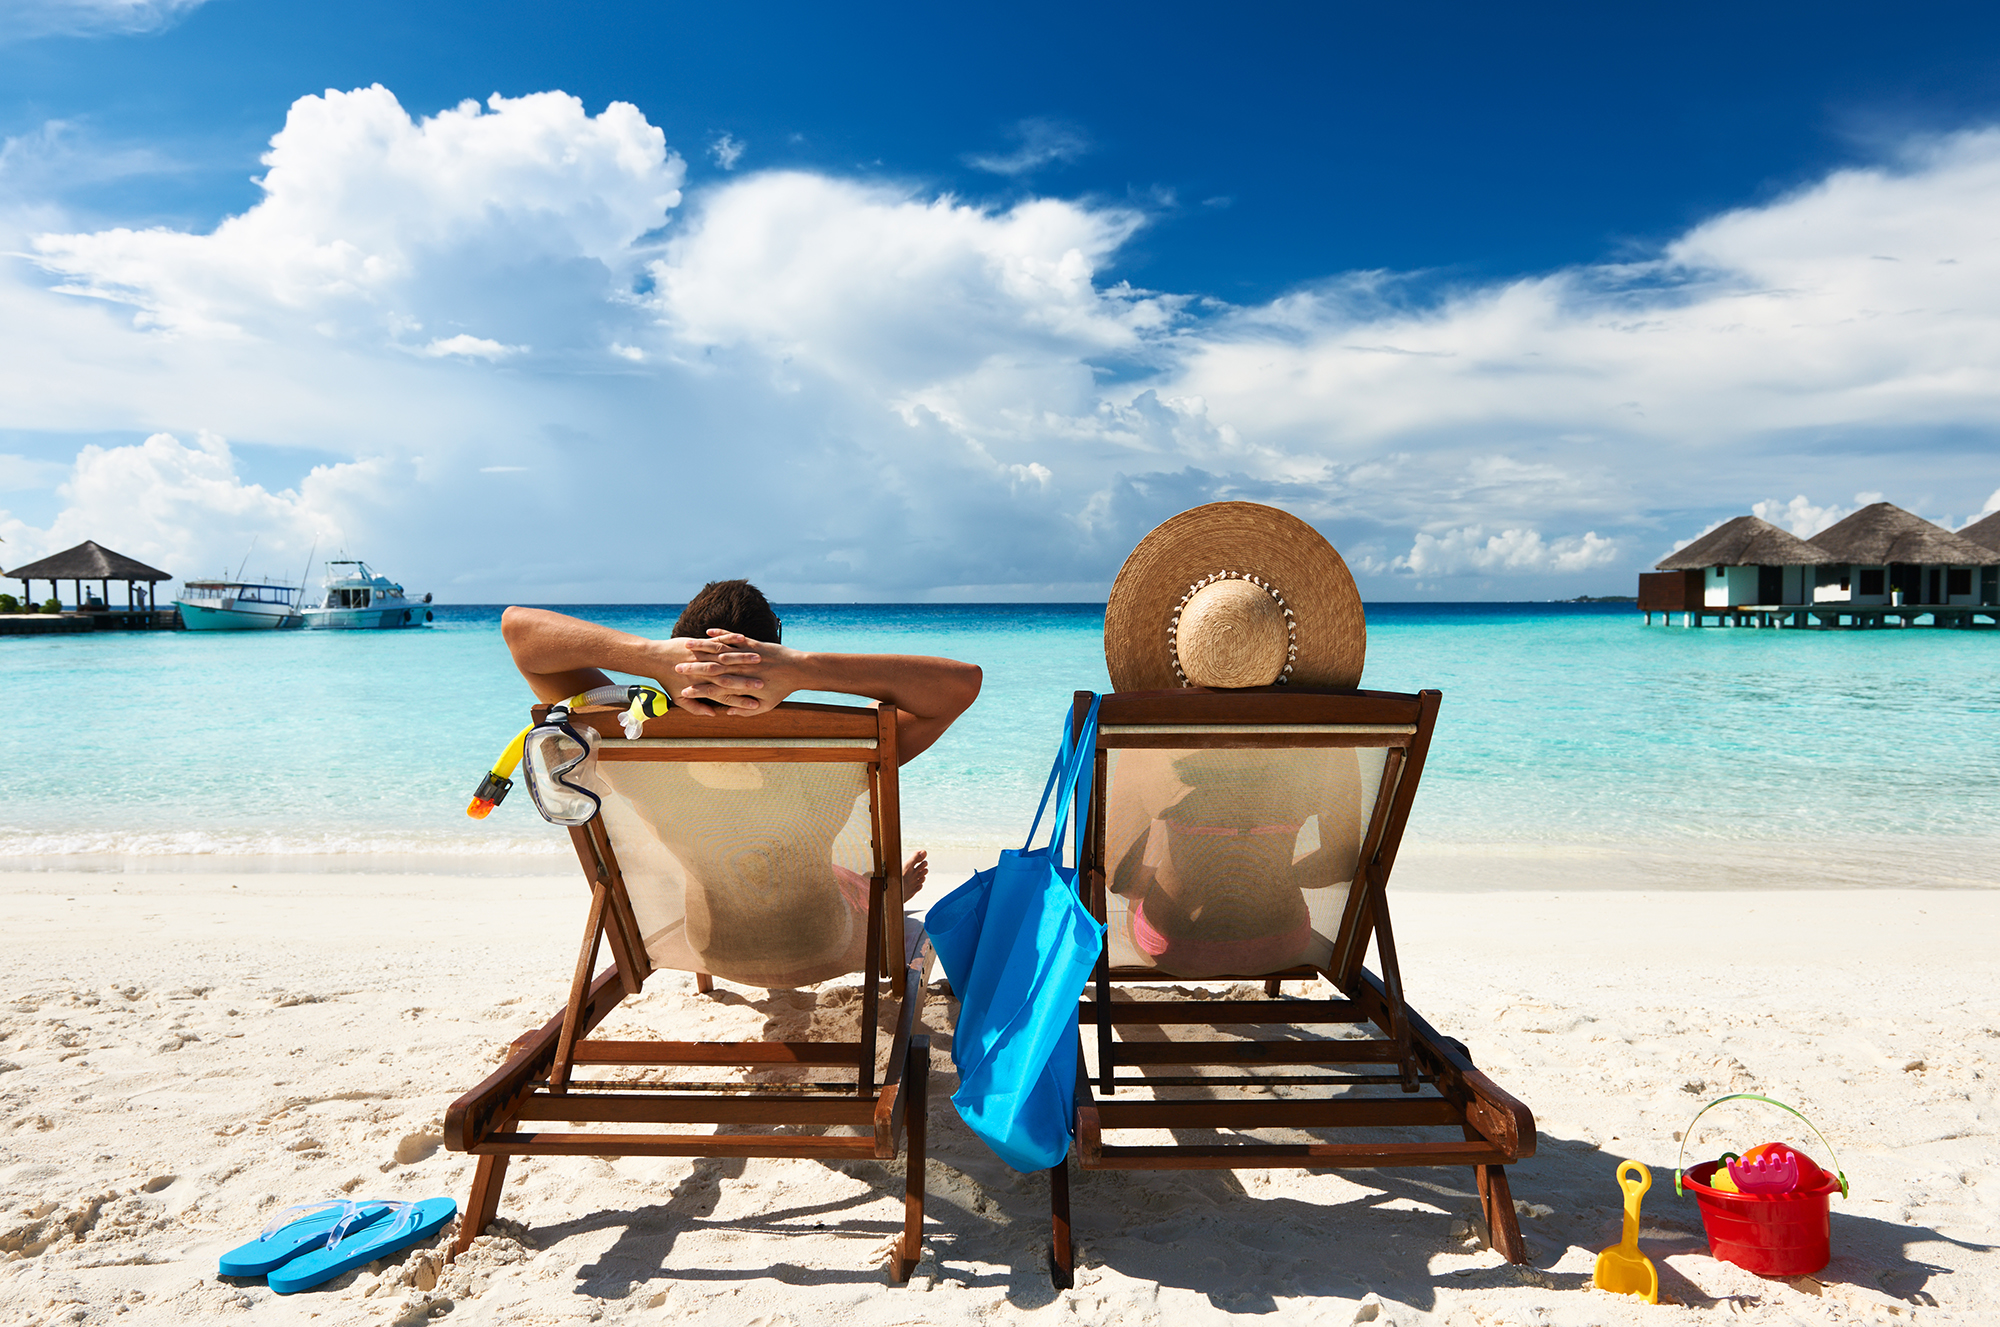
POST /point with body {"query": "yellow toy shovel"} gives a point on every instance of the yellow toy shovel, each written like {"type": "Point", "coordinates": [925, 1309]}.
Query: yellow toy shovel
{"type": "Point", "coordinates": [1622, 1269]}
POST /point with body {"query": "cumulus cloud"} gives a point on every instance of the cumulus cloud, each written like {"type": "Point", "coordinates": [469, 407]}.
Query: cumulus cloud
{"type": "Point", "coordinates": [1800, 515]}
{"type": "Point", "coordinates": [908, 395]}
{"type": "Point", "coordinates": [878, 286]}
{"type": "Point", "coordinates": [183, 508]}
{"type": "Point", "coordinates": [370, 221]}
{"type": "Point", "coordinates": [1471, 549]}
{"type": "Point", "coordinates": [1038, 142]}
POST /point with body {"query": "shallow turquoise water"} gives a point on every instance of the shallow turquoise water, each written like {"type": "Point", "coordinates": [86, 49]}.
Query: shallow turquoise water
{"type": "Point", "coordinates": [1561, 724]}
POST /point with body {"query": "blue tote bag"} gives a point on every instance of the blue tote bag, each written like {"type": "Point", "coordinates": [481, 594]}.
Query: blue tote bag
{"type": "Point", "coordinates": [1018, 946]}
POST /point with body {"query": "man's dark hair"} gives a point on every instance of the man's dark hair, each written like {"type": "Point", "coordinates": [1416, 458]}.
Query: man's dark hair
{"type": "Point", "coordinates": [735, 606]}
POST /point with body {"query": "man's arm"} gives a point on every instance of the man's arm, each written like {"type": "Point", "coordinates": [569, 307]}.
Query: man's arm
{"type": "Point", "coordinates": [561, 656]}
{"type": "Point", "coordinates": [749, 677]}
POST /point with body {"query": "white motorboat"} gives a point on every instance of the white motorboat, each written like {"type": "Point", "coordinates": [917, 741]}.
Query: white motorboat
{"type": "Point", "coordinates": [358, 600]}
{"type": "Point", "coordinates": [238, 606]}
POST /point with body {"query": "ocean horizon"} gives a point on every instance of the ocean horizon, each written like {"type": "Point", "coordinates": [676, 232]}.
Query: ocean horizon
{"type": "Point", "coordinates": [1570, 734]}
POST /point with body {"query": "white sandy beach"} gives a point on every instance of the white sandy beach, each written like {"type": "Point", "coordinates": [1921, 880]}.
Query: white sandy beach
{"type": "Point", "coordinates": [181, 1054]}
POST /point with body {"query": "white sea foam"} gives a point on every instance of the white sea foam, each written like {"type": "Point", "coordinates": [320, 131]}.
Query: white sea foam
{"type": "Point", "coordinates": [16, 844]}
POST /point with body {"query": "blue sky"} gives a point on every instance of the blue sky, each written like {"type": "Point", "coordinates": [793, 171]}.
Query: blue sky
{"type": "Point", "coordinates": [956, 303]}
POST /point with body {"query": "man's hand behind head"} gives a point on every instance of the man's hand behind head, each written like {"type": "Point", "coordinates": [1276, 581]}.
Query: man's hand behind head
{"type": "Point", "coordinates": [733, 674]}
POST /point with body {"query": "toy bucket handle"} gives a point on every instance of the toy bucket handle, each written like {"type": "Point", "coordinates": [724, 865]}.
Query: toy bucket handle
{"type": "Point", "coordinates": [1752, 1096]}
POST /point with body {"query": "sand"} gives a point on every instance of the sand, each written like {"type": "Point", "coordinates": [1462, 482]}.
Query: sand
{"type": "Point", "coordinates": [181, 1054]}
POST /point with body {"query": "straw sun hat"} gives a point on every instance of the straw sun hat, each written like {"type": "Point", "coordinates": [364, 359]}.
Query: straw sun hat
{"type": "Point", "coordinates": [1234, 594]}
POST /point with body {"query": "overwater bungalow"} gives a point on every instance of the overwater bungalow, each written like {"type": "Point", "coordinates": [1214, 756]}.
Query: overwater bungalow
{"type": "Point", "coordinates": [1882, 566]}
{"type": "Point", "coordinates": [1740, 562]}
{"type": "Point", "coordinates": [1883, 555]}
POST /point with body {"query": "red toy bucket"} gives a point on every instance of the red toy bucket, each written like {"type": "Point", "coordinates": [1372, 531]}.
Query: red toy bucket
{"type": "Point", "coordinates": [1771, 1234]}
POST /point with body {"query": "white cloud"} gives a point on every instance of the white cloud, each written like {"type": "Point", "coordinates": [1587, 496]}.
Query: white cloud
{"type": "Point", "coordinates": [1992, 503]}
{"type": "Point", "coordinates": [369, 220]}
{"type": "Point", "coordinates": [1040, 141]}
{"type": "Point", "coordinates": [727, 151]}
{"type": "Point", "coordinates": [1472, 550]}
{"type": "Point", "coordinates": [877, 286]}
{"type": "Point", "coordinates": [184, 509]}
{"type": "Point", "coordinates": [85, 18]}
{"type": "Point", "coordinates": [472, 347]}
{"type": "Point", "coordinates": [1800, 516]}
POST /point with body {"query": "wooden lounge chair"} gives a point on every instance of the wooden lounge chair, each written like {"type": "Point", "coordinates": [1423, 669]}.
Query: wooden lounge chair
{"type": "Point", "coordinates": [1230, 783]}
{"type": "Point", "coordinates": [765, 802]}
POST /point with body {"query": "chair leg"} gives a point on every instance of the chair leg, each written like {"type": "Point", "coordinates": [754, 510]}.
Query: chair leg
{"type": "Point", "coordinates": [703, 983]}
{"type": "Point", "coordinates": [1273, 988]}
{"type": "Point", "coordinates": [1062, 1248]}
{"type": "Point", "coordinates": [483, 1205]}
{"type": "Point", "coordinates": [1501, 1222]}
{"type": "Point", "coordinates": [916, 1082]}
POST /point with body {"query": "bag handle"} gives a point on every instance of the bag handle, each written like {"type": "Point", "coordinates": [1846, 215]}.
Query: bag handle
{"type": "Point", "coordinates": [1083, 767]}
{"type": "Point", "coordinates": [1076, 755]}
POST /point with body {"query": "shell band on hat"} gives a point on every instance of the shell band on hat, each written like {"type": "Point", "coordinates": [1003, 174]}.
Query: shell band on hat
{"type": "Point", "coordinates": [1291, 623]}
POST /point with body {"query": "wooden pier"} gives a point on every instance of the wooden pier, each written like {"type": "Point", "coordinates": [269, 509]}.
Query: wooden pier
{"type": "Point", "coordinates": [1834, 616]}
{"type": "Point", "coordinates": [93, 620]}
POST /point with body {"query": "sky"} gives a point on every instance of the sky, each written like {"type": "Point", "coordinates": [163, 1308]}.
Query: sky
{"type": "Point", "coordinates": [595, 302]}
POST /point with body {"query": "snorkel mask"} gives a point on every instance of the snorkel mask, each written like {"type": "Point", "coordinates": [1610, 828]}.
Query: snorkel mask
{"type": "Point", "coordinates": [560, 760]}
{"type": "Point", "coordinates": [560, 755]}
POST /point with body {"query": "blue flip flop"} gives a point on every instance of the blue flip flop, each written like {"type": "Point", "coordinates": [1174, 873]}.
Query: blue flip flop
{"type": "Point", "coordinates": [408, 1223]}
{"type": "Point", "coordinates": [300, 1229]}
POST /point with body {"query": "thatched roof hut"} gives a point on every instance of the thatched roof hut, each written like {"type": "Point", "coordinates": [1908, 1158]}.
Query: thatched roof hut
{"type": "Point", "coordinates": [88, 561]}
{"type": "Point", "coordinates": [1747, 541]}
{"type": "Point", "coordinates": [1985, 532]}
{"type": "Point", "coordinates": [1883, 533]}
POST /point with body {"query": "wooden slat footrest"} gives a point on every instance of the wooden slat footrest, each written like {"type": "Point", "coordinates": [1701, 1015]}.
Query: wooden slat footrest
{"type": "Point", "coordinates": [679, 1108]}
{"type": "Point", "coordinates": [1300, 973]}
{"type": "Point", "coordinates": [1222, 1013]}
{"type": "Point", "coordinates": [1267, 1114]}
{"type": "Point", "coordinates": [716, 1052]}
{"type": "Point", "coordinates": [1254, 1052]}
{"type": "Point", "coordinates": [1311, 1156]}
{"type": "Point", "coordinates": [672, 1145]}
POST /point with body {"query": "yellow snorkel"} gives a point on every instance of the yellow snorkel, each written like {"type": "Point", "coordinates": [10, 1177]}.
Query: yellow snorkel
{"type": "Point", "coordinates": [641, 703]}
{"type": "Point", "coordinates": [493, 789]}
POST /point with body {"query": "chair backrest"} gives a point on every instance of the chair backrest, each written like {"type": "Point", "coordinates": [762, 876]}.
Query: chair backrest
{"type": "Point", "coordinates": [749, 847]}
{"type": "Point", "coordinates": [1238, 833]}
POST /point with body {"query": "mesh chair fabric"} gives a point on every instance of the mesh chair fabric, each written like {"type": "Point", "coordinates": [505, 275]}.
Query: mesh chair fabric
{"type": "Point", "coordinates": [753, 872]}
{"type": "Point", "coordinates": [1233, 862]}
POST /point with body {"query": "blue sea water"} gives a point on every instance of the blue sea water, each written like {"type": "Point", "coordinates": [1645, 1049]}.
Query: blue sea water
{"type": "Point", "coordinates": [1563, 726]}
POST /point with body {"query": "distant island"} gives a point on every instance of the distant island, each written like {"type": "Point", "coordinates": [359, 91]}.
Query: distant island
{"type": "Point", "coordinates": [1601, 599]}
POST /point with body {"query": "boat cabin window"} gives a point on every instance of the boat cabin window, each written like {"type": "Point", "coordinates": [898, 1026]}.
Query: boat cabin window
{"type": "Point", "coordinates": [350, 599]}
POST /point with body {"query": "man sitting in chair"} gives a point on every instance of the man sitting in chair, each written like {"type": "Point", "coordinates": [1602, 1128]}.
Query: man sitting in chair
{"type": "Point", "coordinates": [760, 912]}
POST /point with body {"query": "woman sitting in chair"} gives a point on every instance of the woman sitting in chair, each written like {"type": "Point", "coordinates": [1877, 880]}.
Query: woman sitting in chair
{"type": "Point", "coordinates": [1223, 857]}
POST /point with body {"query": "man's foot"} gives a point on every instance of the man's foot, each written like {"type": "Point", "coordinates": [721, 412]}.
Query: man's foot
{"type": "Point", "coordinates": [915, 872]}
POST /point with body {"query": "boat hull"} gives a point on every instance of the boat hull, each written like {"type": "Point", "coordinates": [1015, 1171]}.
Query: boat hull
{"type": "Point", "coordinates": [208, 616]}
{"type": "Point", "coordinates": [386, 618]}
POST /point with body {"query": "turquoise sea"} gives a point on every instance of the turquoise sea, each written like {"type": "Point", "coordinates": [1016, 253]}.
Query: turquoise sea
{"type": "Point", "coordinates": [1566, 729]}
